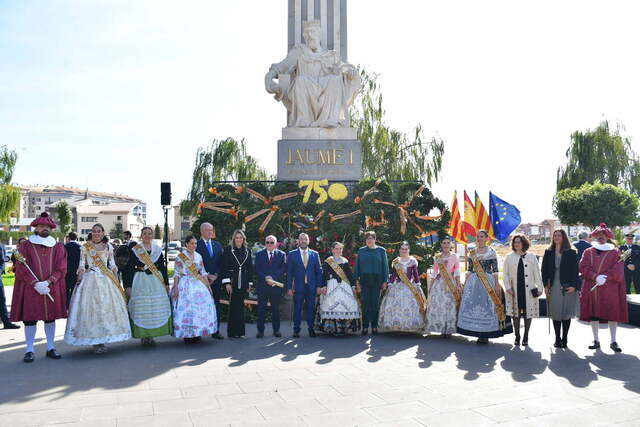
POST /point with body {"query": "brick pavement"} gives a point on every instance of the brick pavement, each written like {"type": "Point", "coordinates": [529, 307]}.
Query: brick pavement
{"type": "Point", "coordinates": [394, 380]}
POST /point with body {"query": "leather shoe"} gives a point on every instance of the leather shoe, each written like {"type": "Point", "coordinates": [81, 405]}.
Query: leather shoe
{"type": "Point", "coordinates": [259, 335]}
{"type": "Point", "coordinates": [312, 333]}
{"type": "Point", "coordinates": [53, 354]}
{"type": "Point", "coordinates": [595, 345]}
{"type": "Point", "coordinates": [28, 357]}
{"type": "Point", "coordinates": [614, 346]}
{"type": "Point", "coordinates": [217, 336]}
{"type": "Point", "coordinates": [10, 325]}
{"type": "Point", "coordinates": [277, 334]}
{"type": "Point", "coordinates": [296, 334]}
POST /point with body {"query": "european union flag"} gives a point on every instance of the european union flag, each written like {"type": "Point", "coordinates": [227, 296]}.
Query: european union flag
{"type": "Point", "coordinates": [505, 217]}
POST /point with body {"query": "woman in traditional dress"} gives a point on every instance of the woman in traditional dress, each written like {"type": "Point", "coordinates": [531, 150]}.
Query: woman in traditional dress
{"type": "Point", "coordinates": [482, 312]}
{"type": "Point", "coordinates": [147, 285]}
{"type": "Point", "coordinates": [338, 311]}
{"type": "Point", "coordinates": [523, 283]}
{"type": "Point", "coordinates": [445, 292]}
{"type": "Point", "coordinates": [237, 271]}
{"type": "Point", "coordinates": [194, 312]}
{"type": "Point", "coordinates": [371, 274]}
{"type": "Point", "coordinates": [403, 307]}
{"type": "Point", "coordinates": [561, 285]}
{"type": "Point", "coordinates": [97, 311]}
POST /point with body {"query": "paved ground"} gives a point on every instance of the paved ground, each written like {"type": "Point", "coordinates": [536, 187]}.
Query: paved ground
{"type": "Point", "coordinates": [385, 380]}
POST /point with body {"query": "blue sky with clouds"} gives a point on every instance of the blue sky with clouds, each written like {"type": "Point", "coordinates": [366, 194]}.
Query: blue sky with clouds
{"type": "Point", "coordinates": [117, 95]}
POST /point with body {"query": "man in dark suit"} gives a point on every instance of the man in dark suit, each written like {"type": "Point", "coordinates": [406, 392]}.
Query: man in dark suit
{"type": "Point", "coordinates": [304, 276]}
{"type": "Point", "coordinates": [582, 244]}
{"type": "Point", "coordinates": [211, 253]}
{"type": "Point", "coordinates": [4, 314]}
{"type": "Point", "coordinates": [631, 270]}
{"type": "Point", "coordinates": [72, 247]}
{"type": "Point", "coordinates": [270, 267]}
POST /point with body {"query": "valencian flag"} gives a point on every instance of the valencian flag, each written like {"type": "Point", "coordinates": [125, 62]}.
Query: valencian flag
{"type": "Point", "coordinates": [483, 221]}
{"type": "Point", "coordinates": [469, 224]}
{"type": "Point", "coordinates": [505, 217]}
{"type": "Point", "coordinates": [455, 226]}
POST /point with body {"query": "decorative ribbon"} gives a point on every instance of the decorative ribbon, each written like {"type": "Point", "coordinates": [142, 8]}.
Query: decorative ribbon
{"type": "Point", "coordinates": [313, 224]}
{"type": "Point", "coordinates": [444, 273]}
{"type": "Point", "coordinates": [371, 222]}
{"type": "Point", "coordinates": [420, 299]}
{"type": "Point", "coordinates": [334, 218]}
{"type": "Point", "coordinates": [408, 217]}
{"type": "Point", "coordinates": [191, 266]}
{"type": "Point", "coordinates": [272, 209]}
{"type": "Point", "coordinates": [373, 189]}
{"type": "Point", "coordinates": [223, 207]}
{"type": "Point", "coordinates": [97, 261]}
{"type": "Point", "coordinates": [484, 279]}
{"type": "Point", "coordinates": [143, 255]}
{"type": "Point", "coordinates": [216, 193]}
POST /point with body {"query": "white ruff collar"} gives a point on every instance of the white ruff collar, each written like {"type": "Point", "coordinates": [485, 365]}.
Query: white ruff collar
{"type": "Point", "coordinates": [603, 247]}
{"type": "Point", "coordinates": [44, 241]}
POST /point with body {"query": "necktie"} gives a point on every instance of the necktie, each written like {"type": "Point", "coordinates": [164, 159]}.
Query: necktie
{"type": "Point", "coordinates": [270, 257]}
{"type": "Point", "coordinates": [209, 249]}
{"type": "Point", "coordinates": [305, 258]}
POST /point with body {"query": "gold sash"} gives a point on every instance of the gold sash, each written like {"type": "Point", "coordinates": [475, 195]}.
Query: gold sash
{"type": "Point", "coordinates": [97, 261]}
{"type": "Point", "coordinates": [336, 267]}
{"type": "Point", "coordinates": [444, 273]}
{"type": "Point", "coordinates": [484, 279]}
{"type": "Point", "coordinates": [420, 299]}
{"type": "Point", "coordinates": [191, 266]}
{"type": "Point", "coordinates": [144, 256]}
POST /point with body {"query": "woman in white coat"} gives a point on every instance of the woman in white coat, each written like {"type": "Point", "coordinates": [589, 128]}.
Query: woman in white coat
{"type": "Point", "coordinates": [523, 283]}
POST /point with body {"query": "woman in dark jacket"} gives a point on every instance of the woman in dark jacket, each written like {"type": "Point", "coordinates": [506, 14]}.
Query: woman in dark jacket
{"type": "Point", "coordinates": [561, 284]}
{"type": "Point", "coordinates": [237, 273]}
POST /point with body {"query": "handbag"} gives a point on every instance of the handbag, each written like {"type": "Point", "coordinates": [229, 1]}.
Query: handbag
{"type": "Point", "coordinates": [535, 292]}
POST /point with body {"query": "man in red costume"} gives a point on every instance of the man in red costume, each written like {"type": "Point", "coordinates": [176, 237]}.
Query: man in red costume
{"type": "Point", "coordinates": [39, 291]}
{"type": "Point", "coordinates": [603, 298]}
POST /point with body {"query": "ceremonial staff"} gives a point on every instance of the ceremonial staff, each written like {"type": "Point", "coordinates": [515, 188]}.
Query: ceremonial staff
{"type": "Point", "coordinates": [21, 259]}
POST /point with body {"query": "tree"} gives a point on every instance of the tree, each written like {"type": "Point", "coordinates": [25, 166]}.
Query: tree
{"type": "Point", "coordinates": [9, 195]}
{"type": "Point", "coordinates": [64, 216]}
{"type": "Point", "coordinates": [117, 232]}
{"type": "Point", "coordinates": [157, 233]}
{"type": "Point", "coordinates": [592, 204]}
{"type": "Point", "coordinates": [387, 153]}
{"type": "Point", "coordinates": [600, 155]}
{"type": "Point", "coordinates": [223, 160]}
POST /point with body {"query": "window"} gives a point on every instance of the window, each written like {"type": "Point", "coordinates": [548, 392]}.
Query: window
{"type": "Point", "coordinates": [89, 219]}
{"type": "Point", "coordinates": [119, 218]}
{"type": "Point", "coordinates": [85, 231]}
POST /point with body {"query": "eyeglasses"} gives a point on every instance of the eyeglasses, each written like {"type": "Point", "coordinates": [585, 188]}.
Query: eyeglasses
{"type": "Point", "coordinates": [271, 243]}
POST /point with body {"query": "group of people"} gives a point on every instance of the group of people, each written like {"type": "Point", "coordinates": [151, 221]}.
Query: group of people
{"type": "Point", "coordinates": [334, 297]}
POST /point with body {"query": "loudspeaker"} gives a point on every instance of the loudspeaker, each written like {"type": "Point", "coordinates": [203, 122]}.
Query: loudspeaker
{"type": "Point", "coordinates": [165, 193]}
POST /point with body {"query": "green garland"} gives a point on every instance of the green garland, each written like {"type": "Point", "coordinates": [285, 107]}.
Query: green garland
{"type": "Point", "coordinates": [370, 205]}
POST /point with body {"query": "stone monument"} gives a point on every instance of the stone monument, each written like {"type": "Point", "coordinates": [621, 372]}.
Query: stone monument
{"type": "Point", "coordinates": [317, 85]}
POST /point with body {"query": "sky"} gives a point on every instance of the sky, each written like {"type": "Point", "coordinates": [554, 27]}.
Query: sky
{"type": "Point", "coordinates": [118, 95]}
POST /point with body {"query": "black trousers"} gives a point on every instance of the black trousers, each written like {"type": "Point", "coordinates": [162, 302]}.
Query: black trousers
{"type": "Point", "coordinates": [632, 277]}
{"type": "Point", "coordinates": [235, 322]}
{"type": "Point", "coordinates": [216, 290]}
{"type": "Point", "coordinates": [267, 294]}
{"type": "Point", "coordinates": [4, 314]}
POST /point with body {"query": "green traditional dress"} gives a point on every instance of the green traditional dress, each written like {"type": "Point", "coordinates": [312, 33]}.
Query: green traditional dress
{"type": "Point", "coordinates": [149, 305]}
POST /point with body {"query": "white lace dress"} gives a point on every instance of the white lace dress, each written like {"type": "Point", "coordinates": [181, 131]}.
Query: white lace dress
{"type": "Point", "coordinates": [442, 313]}
{"type": "Point", "coordinates": [97, 311]}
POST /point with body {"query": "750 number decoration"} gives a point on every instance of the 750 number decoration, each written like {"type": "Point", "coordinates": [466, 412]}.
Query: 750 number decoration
{"type": "Point", "coordinates": [336, 191]}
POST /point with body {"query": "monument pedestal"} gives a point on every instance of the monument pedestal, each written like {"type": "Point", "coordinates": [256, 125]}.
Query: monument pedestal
{"type": "Point", "coordinates": [336, 159]}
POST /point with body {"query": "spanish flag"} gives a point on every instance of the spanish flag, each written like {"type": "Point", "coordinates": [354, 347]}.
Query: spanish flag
{"type": "Point", "coordinates": [483, 220]}
{"type": "Point", "coordinates": [455, 226]}
{"type": "Point", "coordinates": [469, 224]}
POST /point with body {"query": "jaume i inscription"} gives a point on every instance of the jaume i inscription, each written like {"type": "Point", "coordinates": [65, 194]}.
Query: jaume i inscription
{"type": "Point", "coordinates": [319, 157]}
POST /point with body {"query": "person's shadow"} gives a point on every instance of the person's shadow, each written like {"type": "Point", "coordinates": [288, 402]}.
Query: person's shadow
{"type": "Point", "coordinates": [476, 359]}
{"type": "Point", "coordinates": [567, 364]}
{"type": "Point", "coordinates": [436, 349]}
{"type": "Point", "coordinates": [523, 363]}
{"type": "Point", "coordinates": [390, 344]}
{"type": "Point", "coordinates": [621, 367]}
